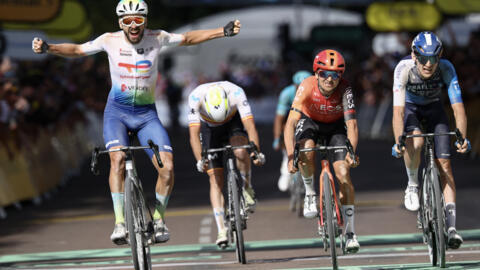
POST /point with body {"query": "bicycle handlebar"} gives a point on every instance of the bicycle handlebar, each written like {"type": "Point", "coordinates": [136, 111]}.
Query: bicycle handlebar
{"type": "Point", "coordinates": [456, 133]}
{"type": "Point", "coordinates": [251, 148]}
{"type": "Point", "coordinates": [96, 152]}
{"type": "Point", "coordinates": [348, 146]}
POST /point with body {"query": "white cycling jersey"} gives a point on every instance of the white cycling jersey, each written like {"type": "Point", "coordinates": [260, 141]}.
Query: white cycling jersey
{"type": "Point", "coordinates": [133, 67]}
{"type": "Point", "coordinates": [237, 101]}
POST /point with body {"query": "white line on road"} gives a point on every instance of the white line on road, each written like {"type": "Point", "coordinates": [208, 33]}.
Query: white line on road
{"type": "Point", "coordinates": [205, 230]}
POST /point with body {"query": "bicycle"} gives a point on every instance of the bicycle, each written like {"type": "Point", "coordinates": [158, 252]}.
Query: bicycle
{"type": "Point", "coordinates": [236, 212]}
{"type": "Point", "coordinates": [330, 219]}
{"type": "Point", "coordinates": [297, 192]}
{"type": "Point", "coordinates": [431, 215]}
{"type": "Point", "coordinates": [139, 225]}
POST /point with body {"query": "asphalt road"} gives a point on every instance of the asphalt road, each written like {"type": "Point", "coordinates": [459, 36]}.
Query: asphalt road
{"type": "Point", "coordinates": [71, 229]}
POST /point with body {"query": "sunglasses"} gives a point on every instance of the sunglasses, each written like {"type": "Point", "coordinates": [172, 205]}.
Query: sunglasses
{"type": "Point", "coordinates": [128, 21]}
{"type": "Point", "coordinates": [328, 73]}
{"type": "Point", "coordinates": [424, 59]}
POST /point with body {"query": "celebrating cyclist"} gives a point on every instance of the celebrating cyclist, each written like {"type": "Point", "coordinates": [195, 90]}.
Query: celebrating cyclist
{"type": "Point", "coordinates": [285, 101]}
{"type": "Point", "coordinates": [324, 107]}
{"type": "Point", "coordinates": [220, 114]}
{"type": "Point", "coordinates": [133, 56]}
{"type": "Point", "coordinates": [417, 96]}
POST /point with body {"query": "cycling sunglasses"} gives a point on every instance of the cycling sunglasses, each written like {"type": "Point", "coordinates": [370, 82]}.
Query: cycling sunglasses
{"type": "Point", "coordinates": [424, 59]}
{"type": "Point", "coordinates": [328, 73]}
{"type": "Point", "coordinates": [128, 21]}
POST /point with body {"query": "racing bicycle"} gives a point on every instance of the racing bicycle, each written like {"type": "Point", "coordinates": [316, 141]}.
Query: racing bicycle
{"type": "Point", "coordinates": [431, 215]}
{"type": "Point", "coordinates": [139, 219]}
{"type": "Point", "coordinates": [236, 211]}
{"type": "Point", "coordinates": [297, 192]}
{"type": "Point", "coordinates": [330, 218]}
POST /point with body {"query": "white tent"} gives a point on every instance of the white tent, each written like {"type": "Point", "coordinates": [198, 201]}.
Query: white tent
{"type": "Point", "coordinates": [258, 35]}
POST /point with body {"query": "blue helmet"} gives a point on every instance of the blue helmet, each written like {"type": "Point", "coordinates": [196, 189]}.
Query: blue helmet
{"type": "Point", "coordinates": [427, 44]}
{"type": "Point", "coordinates": [299, 76]}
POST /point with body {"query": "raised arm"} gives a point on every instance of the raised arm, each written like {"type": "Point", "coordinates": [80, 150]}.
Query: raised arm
{"type": "Point", "coordinates": [63, 49]}
{"type": "Point", "coordinates": [199, 36]}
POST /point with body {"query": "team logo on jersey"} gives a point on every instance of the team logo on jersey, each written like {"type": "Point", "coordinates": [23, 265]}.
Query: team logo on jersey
{"type": "Point", "coordinates": [140, 50]}
{"type": "Point", "coordinates": [125, 87]}
{"type": "Point", "coordinates": [125, 52]}
{"type": "Point", "coordinates": [139, 67]}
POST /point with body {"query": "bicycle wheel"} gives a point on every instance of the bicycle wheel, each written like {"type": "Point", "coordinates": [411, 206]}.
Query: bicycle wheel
{"type": "Point", "coordinates": [330, 222]}
{"type": "Point", "coordinates": [299, 190]}
{"type": "Point", "coordinates": [135, 215]}
{"type": "Point", "coordinates": [438, 217]}
{"type": "Point", "coordinates": [240, 247]}
{"type": "Point", "coordinates": [426, 217]}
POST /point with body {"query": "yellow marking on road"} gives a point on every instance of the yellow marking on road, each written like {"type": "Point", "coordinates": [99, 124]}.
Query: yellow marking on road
{"type": "Point", "coordinates": [202, 212]}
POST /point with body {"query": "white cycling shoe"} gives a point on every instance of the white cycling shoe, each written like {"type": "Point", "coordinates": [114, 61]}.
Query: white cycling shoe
{"type": "Point", "coordinates": [283, 182]}
{"type": "Point", "coordinates": [119, 234]}
{"type": "Point", "coordinates": [411, 198]}
{"type": "Point", "coordinates": [351, 245]}
{"type": "Point", "coordinates": [310, 207]}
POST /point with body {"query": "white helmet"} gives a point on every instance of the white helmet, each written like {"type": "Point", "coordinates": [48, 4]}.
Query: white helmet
{"type": "Point", "coordinates": [215, 103]}
{"type": "Point", "coordinates": [132, 7]}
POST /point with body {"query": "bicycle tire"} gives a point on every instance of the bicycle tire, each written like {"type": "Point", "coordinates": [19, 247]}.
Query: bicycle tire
{"type": "Point", "coordinates": [425, 212]}
{"type": "Point", "coordinates": [135, 222]}
{"type": "Point", "coordinates": [330, 222]}
{"type": "Point", "coordinates": [438, 218]}
{"type": "Point", "coordinates": [240, 246]}
{"type": "Point", "coordinates": [299, 194]}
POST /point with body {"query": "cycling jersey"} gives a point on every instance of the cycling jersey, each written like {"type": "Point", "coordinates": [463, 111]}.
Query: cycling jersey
{"type": "Point", "coordinates": [133, 67]}
{"type": "Point", "coordinates": [285, 99]}
{"type": "Point", "coordinates": [409, 86]}
{"type": "Point", "coordinates": [340, 104]}
{"type": "Point", "coordinates": [237, 101]}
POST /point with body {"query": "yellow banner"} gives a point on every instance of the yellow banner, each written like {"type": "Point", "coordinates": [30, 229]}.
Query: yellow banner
{"type": "Point", "coordinates": [458, 6]}
{"type": "Point", "coordinates": [28, 11]}
{"type": "Point", "coordinates": [402, 16]}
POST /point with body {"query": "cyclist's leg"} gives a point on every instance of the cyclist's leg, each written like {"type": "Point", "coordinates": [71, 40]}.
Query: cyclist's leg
{"type": "Point", "coordinates": [285, 178]}
{"type": "Point", "coordinates": [115, 136]}
{"type": "Point", "coordinates": [412, 155]}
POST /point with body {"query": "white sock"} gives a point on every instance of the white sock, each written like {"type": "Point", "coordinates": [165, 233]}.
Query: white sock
{"type": "Point", "coordinates": [218, 213]}
{"type": "Point", "coordinates": [348, 218]}
{"type": "Point", "coordinates": [309, 189]}
{"type": "Point", "coordinates": [412, 177]}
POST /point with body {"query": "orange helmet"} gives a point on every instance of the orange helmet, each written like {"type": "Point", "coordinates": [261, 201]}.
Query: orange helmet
{"type": "Point", "coordinates": [329, 60]}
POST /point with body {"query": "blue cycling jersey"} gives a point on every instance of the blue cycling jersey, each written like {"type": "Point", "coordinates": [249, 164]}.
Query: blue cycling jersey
{"type": "Point", "coordinates": [285, 99]}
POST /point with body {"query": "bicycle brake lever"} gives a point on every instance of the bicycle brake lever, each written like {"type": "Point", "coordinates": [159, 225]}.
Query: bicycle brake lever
{"type": "Point", "coordinates": [401, 141]}
{"type": "Point", "coordinates": [460, 139]}
{"type": "Point", "coordinates": [154, 147]}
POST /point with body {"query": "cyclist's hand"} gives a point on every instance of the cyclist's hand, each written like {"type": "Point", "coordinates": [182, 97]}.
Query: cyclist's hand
{"type": "Point", "coordinates": [39, 46]}
{"type": "Point", "coordinates": [232, 28]}
{"type": "Point", "coordinates": [397, 152]}
{"type": "Point", "coordinates": [202, 165]}
{"type": "Point", "coordinates": [291, 168]}
{"type": "Point", "coordinates": [276, 144]}
{"type": "Point", "coordinates": [260, 160]}
{"type": "Point", "coordinates": [350, 162]}
{"type": "Point", "coordinates": [465, 148]}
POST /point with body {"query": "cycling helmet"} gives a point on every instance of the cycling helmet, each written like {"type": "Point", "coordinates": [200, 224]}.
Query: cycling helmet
{"type": "Point", "coordinates": [299, 76]}
{"type": "Point", "coordinates": [329, 60]}
{"type": "Point", "coordinates": [427, 44]}
{"type": "Point", "coordinates": [132, 7]}
{"type": "Point", "coordinates": [215, 103]}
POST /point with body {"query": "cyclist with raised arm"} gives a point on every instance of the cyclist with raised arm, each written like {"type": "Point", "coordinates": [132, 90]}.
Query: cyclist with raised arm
{"type": "Point", "coordinates": [133, 57]}
{"type": "Point", "coordinates": [220, 114]}
{"type": "Point", "coordinates": [418, 83]}
{"type": "Point", "coordinates": [285, 101]}
{"type": "Point", "coordinates": [324, 107]}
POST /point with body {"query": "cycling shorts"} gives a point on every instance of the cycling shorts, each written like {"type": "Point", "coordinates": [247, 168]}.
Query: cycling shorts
{"type": "Point", "coordinates": [118, 119]}
{"type": "Point", "coordinates": [334, 133]}
{"type": "Point", "coordinates": [435, 121]}
{"type": "Point", "coordinates": [218, 136]}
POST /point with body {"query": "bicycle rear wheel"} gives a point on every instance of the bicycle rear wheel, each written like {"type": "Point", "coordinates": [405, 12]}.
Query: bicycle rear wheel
{"type": "Point", "coordinates": [136, 224]}
{"type": "Point", "coordinates": [438, 217]}
{"type": "Point", "coordinates": [330, 222]}
{"type": "Point", "coordinates": [240, 247]}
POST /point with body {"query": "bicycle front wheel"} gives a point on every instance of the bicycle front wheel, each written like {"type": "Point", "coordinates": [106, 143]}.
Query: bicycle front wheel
{"type": "Point", "coordinates": [135, 216]}
{"type": "Point", "coordinates": [240, 247]}
{"type": "Point", "coordinates": [438, 219]}
{"type": "Point", "coordinates": [330, 223]}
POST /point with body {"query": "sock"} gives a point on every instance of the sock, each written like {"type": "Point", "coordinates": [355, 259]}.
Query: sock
{"type": "Point", "coordinates": [160, 206]}
{"type": "Point", "coordinates": [412, 177]}
{"type": "Point", "coordinates": [450, 214]}
{"type": "Point", "coordinates": [118, 206]}
{"type": "Point", "coordinates": [309, 189]}
{"type": "Point", "coordinates": [218, 213]}
{"type": "Point", "coordinates": [348, 218]}
{"type": "Point", "coordinates": [246, 178]}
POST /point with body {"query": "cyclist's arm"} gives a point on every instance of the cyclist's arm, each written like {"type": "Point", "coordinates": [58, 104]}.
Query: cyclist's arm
{"type": "Point", "coordinates": [399, 80]}
{"type": "Point", "coordinates": [293, 117]}
{"type": "Point", "coordinates": [194, 122]}
{"type": "Point", "coordinates": [278, 126]}
{"type": "Point", "coordinates": [283, 107]}
{"type": "Point", "coordinates": [199, 36]}
{"type": "Point", "coordinates": [455, 95]}
{"type": "Point", "coordinates": [252, 133]}
{"type": "Point", "coordinates": [460, 118]}
{"type": "Point", "coordinates": [66, 50]}
{"type": "Point", "coordinates": [194, 130]}
{"type": "Point", "coordinates": [352, 132]}
{"type": "Point", "coordinates": [397, 121]}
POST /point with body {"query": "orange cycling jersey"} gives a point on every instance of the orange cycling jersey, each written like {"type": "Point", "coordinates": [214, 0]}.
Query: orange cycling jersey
{"type": "Point", "coordinates": [311, 102]}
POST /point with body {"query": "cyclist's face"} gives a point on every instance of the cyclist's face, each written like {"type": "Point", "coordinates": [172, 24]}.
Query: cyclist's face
{"type": "Point", "coordinates": [426, 67]}
{"type": "Point", "coordinates": [327, 82]}
{"type": "Point", "coordinates": [133, 26]}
